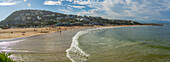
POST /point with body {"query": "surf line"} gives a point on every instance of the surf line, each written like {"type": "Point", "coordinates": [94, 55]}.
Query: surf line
{"type": "Point", "coordinates": [76, 54]}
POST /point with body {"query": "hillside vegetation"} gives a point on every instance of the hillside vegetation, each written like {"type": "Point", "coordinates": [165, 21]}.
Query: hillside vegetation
{"type": "Point", "coordinates": [41, 18]}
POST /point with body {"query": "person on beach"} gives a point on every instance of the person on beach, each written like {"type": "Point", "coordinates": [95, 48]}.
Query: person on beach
{"type": "Point", "coordinates": [65, 29]}
{"type": "Point", "coordinates": [60, 31]}
{"type": "Point", "coordinates": [35, 29]}
{"type": "Point", "coordinates": [23, 33]}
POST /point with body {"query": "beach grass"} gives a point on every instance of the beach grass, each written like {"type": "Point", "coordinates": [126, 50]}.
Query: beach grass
{"type": "Point", "coordinates": [4, 57]}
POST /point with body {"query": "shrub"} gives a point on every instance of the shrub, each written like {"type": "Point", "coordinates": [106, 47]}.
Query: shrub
{"type": "Point", "coordinates": [4, 57]}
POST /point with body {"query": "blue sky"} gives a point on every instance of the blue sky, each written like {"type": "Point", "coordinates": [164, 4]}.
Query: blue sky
{"type": "Point", "coordinates": [113, 9]}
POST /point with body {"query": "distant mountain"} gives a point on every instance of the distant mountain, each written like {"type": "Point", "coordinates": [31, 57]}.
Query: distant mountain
{"type": "Point", "coordinates": [30, 18]}
{"type": "Point", "coordinates": [27, 16]}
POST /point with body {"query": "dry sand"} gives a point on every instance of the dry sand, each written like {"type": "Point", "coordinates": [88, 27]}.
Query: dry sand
{"type": "Point", "coordinates": [26, 32]}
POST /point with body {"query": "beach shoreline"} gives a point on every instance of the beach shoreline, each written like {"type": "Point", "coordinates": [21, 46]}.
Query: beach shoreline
{"type": "Point", "coordinates": [47, 46]}
{"type": "Point", "coordinates": [83, 49]}
{"type": "Point", "coordinates": [13, 33]}
{"type": "Point", "coordinates": [76, 54]}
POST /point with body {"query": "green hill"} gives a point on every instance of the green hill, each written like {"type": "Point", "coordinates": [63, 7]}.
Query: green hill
{"type": "Point", "coordinates": [32, 18]}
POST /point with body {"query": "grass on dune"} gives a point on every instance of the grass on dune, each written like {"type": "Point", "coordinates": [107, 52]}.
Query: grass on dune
{"type": "Point", "coordinates": [4, 57]}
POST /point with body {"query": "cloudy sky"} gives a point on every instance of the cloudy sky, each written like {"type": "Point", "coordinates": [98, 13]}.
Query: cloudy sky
{"type": "Point", "coordinates": [112, 9]}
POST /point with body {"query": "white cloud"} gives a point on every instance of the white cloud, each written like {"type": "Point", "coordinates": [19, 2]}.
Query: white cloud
{"type": "Point", "coordinates": [64, 10]}
{"type": "Point", "coordinates": [80, 7]}
{"type": "Point", "coordinates": [25, 0]}
{"type": "Point", "coordinates": [52, 3]}
{"type": "Point", "coordinates": [69, 0]}
{"type": "Point", "coordinates": [7, 3]}
{"type": "Point", "coordinates": [29, 5]}
{"type": "Point", "coordinates": [164, 19]}
{"type": "Point", "coordinates": [82, 2]}
{"type": "Point", "coordinates": [124, 9]}
{"type": "Point", "coordinates": [129, 9]}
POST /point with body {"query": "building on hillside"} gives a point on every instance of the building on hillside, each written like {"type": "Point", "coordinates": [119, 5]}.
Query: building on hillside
{"type": "Point", "coordinates": [59, 18]}
{"type": "Point", "coordinates": [77, 24]}
{"type": "Point", "coordinates": [86, 19]}
{"type": "Point", "coordinates": [28, 18]}
{"type": "Point", "coordinates": [39, 18]}
{"type": "Point", "coordinates": [79, 19]}
{"type": "Point", "coordinates": [23, 18]}
{"type": "Point", "coordinates": [27, 14]}
{"type": "Point", "coordinates": [17, 18]}
{"type": "Point", "coordinates": [52, 14]}
{"type": "Point", "coordinates": [83, 19]}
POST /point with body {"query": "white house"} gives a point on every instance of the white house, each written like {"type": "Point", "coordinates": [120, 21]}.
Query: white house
{"type": "Point", "coordinates": [38, 17]}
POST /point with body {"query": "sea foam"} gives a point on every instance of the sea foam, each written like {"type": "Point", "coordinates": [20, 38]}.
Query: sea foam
{"type": "Point", "coordinates": [76, 54]}
{"type": "Point", "coordinates": [5, 44]}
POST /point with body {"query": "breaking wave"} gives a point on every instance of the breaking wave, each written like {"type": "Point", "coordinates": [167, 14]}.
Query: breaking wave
{"type": "Point", "coordinates": [76, 54]}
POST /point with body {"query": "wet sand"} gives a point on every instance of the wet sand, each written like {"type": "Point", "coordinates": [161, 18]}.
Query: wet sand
{"type": "Point", "coordinates": [41, 48]}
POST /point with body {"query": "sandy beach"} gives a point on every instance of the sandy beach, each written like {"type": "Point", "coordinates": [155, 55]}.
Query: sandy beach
{"type": "Point", "coordinates": [41, 48]}
{"type": "Point", "coordinates": [49, 47]}
{"type": "Point", "coordinates": [26, 32]}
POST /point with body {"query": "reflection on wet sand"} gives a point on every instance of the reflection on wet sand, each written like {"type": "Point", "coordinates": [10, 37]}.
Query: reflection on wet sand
{"type": "Point", "coordinates": [42, 48]}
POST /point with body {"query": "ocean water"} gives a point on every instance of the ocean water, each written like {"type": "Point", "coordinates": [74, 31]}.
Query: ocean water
{"type": "Point", "coordinates": [122, 44]}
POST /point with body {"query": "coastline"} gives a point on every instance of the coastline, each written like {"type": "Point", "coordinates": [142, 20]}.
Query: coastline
{"type": "Point", "coordinates": [47, 46]}
{"type": "Point", "coordinates": [76, 54]}
{"type": "Point", "coordinates": [14, 33]}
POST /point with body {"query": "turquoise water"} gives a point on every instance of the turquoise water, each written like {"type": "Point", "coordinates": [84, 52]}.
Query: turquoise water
{"type": "Point", "coordinates": [126, 44]}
